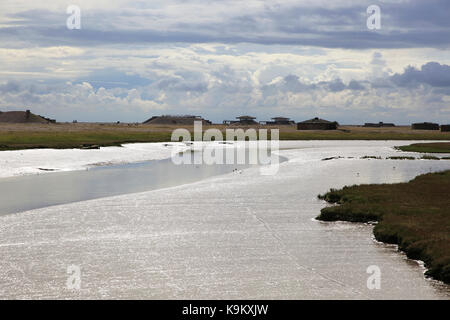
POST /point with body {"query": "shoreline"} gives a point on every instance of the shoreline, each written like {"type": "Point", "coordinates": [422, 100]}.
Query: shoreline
{"type": "Point", "coordinates": [44, 161]}
{"type": "Point", "coordinates": [417, 226]}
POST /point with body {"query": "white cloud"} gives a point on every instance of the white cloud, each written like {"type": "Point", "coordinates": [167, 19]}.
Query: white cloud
{"type": "Point", "coordinates": [140, 58]}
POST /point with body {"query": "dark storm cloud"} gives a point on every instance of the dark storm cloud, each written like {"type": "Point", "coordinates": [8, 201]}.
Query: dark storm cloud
{"type": "Point", "coordinates": [335, 86]}
{"type": "Point", "coordinates": [406, 24]}
{"type": "Point", "coordinates": [355, 85]}
{"type": "Point", "coordinates": [432, 73]}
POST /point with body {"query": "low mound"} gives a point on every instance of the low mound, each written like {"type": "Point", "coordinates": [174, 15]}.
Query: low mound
{"type": "Point", "coordinates": [21, 117]}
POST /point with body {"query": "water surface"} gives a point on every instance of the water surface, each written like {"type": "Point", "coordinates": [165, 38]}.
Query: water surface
{"type": "Point", "coordinates": [231, 236]}
{"type": "Point", "coordinates": [23, 193]}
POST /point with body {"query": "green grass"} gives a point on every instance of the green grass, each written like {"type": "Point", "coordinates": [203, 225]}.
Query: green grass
{"type": "Point", "coordinates": [361, 135]}
{"type": "Point", "coordinates": [434, 147]}
{"type": "Point", "coordinates": [414, 215]}
{"type": "Point", "coordinates": [13, 137]}
{"type": "Point", "coordinates": [64, 140]}
{"type": "Point", "coordinates": [427, 157]}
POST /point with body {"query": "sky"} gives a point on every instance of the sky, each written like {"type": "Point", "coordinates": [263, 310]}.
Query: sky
{"type": "Point", "coordinates": [131, 60]}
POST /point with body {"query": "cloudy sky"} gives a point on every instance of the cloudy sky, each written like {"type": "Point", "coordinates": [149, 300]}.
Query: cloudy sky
{"type": "Point", "coordinates": [220, 59]}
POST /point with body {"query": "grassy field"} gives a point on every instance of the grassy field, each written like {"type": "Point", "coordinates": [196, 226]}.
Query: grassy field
{"type": "Point", "coordinates": [64, 140]}
{"type": "Point", "coordinates": [414, 215]}
{"type": "Point", "coordinates": [437, 147]}
{"type": "Point", "coordinates": [68, 135]}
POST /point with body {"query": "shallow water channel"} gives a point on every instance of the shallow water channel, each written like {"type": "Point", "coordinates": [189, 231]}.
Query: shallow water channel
{"type": "Point", "coordinates": [29, 192]}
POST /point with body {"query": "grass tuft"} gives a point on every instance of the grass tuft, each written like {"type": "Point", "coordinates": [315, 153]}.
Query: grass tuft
{"type": "Point", "coordinates": [401, 158]}
{"type": "Point", "coordinates": [427, 157]}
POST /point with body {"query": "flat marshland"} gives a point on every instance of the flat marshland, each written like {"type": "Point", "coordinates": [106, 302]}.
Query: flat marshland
{"type": "Point", "coordinates": [436, 147]}
{"type": "Point", "coordinates": [76, 135]}
{"type": "Point", "coordinates": [415, 215]}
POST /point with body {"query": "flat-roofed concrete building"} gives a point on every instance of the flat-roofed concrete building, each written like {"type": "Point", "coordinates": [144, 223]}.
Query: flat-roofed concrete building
{"type": "Point", "coordinates": [378, 125]}
{"type": "Point", "coordinates": [425, 126]}
{"type": "Point", "coordinates": [317, 124]}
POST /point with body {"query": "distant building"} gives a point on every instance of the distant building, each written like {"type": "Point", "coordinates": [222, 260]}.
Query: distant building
{"type": "Point", "coordinates": [174, 119]}
{"type": "Point", "coordinates": [425, 126]}
{"type": "Point", "coordinates": [445, 128]}
{"type": "Point", "coordinates": [282, 121]}
{"type": "Point", "coordinates": [378, 125]}
{"type": "Point", "coordinates": [242, 120]}
{"type": "Point", "coordinates": [317, 124]}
